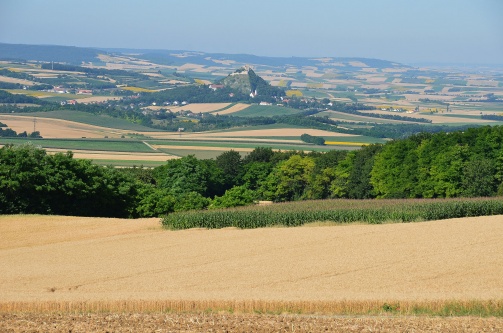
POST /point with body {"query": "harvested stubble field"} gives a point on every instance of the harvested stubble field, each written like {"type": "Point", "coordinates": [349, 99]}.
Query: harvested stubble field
{"type": "Point", "coordinates": [211, 322]}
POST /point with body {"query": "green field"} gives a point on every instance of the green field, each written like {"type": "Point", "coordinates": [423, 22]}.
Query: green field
{"type": "Point", "coordinates": [362, 139]}
{"type": "Point", "coordinates": [90, 119]}
{"type": "Point", "coordinates": [258, 127]}
{"type": "Point", "coordinates": [230, 144]}
{"type": "Point", "coordinates": [265, 111]}
{"type": "Point", "coordinates": [124, 145]}
{"type": "Point", "coordinates": [355, 118]}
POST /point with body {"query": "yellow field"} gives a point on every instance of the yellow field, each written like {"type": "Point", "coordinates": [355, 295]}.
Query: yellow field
{"type": "Point", "coordinates": [202, 82]}
{"type": "Point", "coordinates": [66, 274]}
{"type": "Point", "coordinates": [62, 259]}
{"type": "Point", "coordinates": [291, 93]}
{"type": "Point", "coordinates": [137, 89]}
{"type": "Point", "coordinates": [234, 108]}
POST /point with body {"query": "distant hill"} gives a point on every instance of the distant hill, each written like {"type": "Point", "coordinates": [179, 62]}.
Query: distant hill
{"type": "Point", "coordinates": [77, 55]}
{"type": "Point", "coordinates": [177, 57]}
{"type": "Point", "coordinates": [241, 86]}
{"type": "Point", "coordinates": [247, 82]}
{"type": "Point", "coordinates": [67, 54]}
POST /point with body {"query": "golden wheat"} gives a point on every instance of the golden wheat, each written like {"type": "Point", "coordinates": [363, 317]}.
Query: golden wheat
{"type": "Point", "coordinates": [344, 307]}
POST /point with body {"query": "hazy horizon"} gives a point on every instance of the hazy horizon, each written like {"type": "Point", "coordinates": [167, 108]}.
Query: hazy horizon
{"type": "Point", "coordinates": [425, 32]}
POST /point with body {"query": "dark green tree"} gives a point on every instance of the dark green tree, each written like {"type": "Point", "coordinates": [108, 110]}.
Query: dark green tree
{"type": "Point", "coordinates": [230, 163]}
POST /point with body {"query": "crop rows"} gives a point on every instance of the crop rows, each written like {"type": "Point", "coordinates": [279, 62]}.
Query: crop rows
{"type": "Point", "coordinates": [339, 211]}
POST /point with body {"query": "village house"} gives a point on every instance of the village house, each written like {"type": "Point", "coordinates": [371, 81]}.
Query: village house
{"type": "Point", "coordinates": [216, 86]}
{"type": "Point", "coordinates": [60, 90]}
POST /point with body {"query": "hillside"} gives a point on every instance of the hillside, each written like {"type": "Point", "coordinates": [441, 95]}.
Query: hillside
{"type": "Point", "coordinates": [77, 55]}
{"type": "Point", "coordinates": [246, 81]}
{"type": "Point", "coordinates": [178, 57]}
{"type": "Point", "coordinates": [56, 53]}
{"type": "Point", "coordinates": [241, 86]}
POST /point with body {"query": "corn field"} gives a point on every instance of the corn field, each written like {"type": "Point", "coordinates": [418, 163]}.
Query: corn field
{"type": "Point", "coordinates": [339, 211]}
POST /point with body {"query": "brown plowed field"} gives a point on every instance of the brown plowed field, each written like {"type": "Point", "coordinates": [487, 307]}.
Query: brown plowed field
{"type": "Point", "coordinates": [132, 264]}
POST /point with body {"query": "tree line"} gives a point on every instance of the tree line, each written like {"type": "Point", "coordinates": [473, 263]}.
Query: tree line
{"type": "Point", "coordinates": [458, 164]}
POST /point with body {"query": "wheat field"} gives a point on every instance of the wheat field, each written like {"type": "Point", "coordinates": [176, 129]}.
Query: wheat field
{"type": "Point", "coordinates": [54, 258]}
{"type": "Point", "coordinates": [80, 274]}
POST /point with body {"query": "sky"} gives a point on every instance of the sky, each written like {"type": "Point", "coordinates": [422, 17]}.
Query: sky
{"type": "Point", "coordinates": [406, 31]}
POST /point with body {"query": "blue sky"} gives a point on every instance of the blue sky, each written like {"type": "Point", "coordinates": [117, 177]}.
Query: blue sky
{"type": "Point", "coordinates": [408, 31]}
